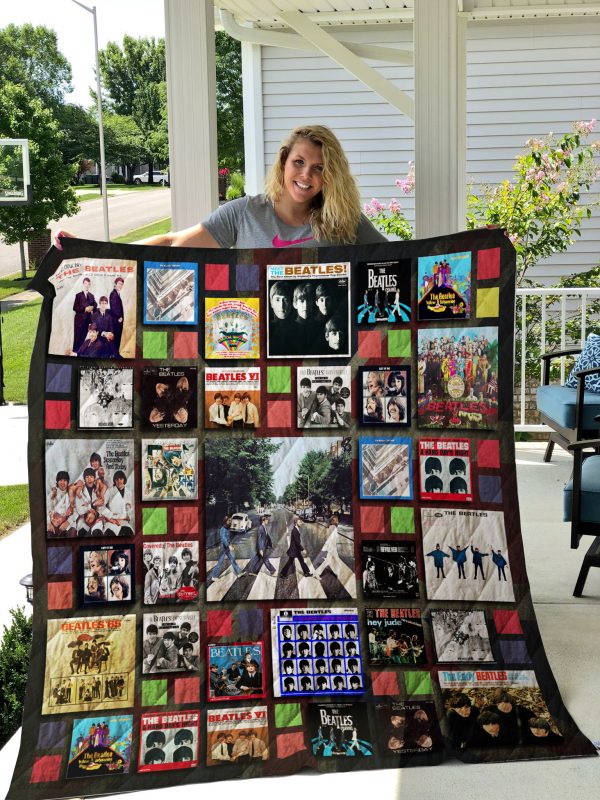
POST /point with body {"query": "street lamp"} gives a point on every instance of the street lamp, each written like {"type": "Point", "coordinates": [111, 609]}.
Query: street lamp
{"type": "Point", "coordinates": [100, 125]}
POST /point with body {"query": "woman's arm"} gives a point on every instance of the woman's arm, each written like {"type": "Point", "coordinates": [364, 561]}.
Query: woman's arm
{"type": "Point", "coordinates": [195, 236]}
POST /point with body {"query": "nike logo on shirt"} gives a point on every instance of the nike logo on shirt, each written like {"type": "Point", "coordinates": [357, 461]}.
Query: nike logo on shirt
{"type": "Point", "coordinates": [277, 242]}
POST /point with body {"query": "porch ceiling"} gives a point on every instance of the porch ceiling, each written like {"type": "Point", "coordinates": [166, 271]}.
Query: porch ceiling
{"type": "Point", "coordinates": [267, 13]}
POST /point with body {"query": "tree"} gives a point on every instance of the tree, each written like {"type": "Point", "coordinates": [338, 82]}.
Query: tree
{"type": "Point", "coordinates": [15, 651]}
{"type": "Point", "coordinates": [230, 111]}
{"type": "Point", "coordinates": [337, 481]}
{"type": "Point", "coordinates": [159, 137]}
{"type": "Point", "coordinates": [123, 142]}
{"type": "Point", "coordinates": [240, 474]}
{"type": "Point", "coordinates": [30, 58]}
{"type": "Point", "coordinates": [309, 477]}
{"type": "Point", "coordinates": [133, 75]}
{"type": "Point", "coordinates": [24, 117]}
{"type": "Point", "coordinates": [80, 140]}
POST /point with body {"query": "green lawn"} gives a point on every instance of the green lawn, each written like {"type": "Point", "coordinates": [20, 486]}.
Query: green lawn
{"type": "Point", "coordinates": [162, 226]}
{"type": "Point", "coordinates": [91, 192]}
{"type": "Point", "coordinates": [12, 284]}
{"type": "Point", "coordinates": [14, 507]}
{"type": "Point", "coordinates": [19, 326]}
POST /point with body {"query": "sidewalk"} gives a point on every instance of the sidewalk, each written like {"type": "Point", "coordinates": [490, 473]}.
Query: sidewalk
{"type": "Point", "coordinates": [15, 549]}
{"type": "Point", "coordinates": [19, 299]}
{"type": "Point", "coordinates": [13, 435]}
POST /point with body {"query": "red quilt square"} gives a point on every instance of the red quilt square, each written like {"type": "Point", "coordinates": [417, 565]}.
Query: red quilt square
{"type": "Point", "coordinates": [385, 683]}
{"type": "Point", "coordinates": [488, 454]}
{"type": "Point", "coordinates": [58, 415]}
{"type": "Point", "coordinates": [507, 622]}
{"type": "Point", "coordinates": [185, 519]}
{"type": "Point", "coordinates": [372, 519]}
{"type": "Point", "coordinates": [185, 344]}
{"type": "Point", "coordinates": [369, 344]}
{"type": "Point", "coordinates": [60, 595]}
{"type": "Point", "coordinates": [290, 743]}
{"type": "Point", "coordinates": [187, 690]}
{"type": "Point", "coordinates": [279, 414]}
{"type": "Point", "coordinates": [46, 769]}
{"type": "Point", "coordinates": [219, 623]}
{"type": "Point", "coordinates": [216, 277]}
{"type": "Point", "coordinates": [488, 264]}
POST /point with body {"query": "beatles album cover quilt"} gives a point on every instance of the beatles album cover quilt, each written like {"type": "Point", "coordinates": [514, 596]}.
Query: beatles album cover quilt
{"type": "Point", "coordinates": [275, 521]}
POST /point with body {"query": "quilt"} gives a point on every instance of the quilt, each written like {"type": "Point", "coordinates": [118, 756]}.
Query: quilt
{"type": "Point", "coordinates": [275, 522]}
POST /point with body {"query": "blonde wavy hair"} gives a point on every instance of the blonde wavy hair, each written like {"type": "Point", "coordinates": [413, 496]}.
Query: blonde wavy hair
{"type": "Point", "coordinates": [335, 212]}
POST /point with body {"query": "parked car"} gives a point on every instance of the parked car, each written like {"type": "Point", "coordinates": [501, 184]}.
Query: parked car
{"type": "Point", "coordinates": [310, 514]}
{"type": "Point", "coordinates": [158, 177]}
{"type": "Point", "coordinates": [240, 523]}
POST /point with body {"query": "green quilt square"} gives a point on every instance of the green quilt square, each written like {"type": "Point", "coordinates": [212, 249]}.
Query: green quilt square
{"type": "Point", "coordinates": [154, 521]}
{"type": "Point", "coordinates": [154, 693]}
{"type": "Point", "coordinates": [399, 344]}
{"type": "Point", "coordinates": [279, 380]}
{"type": "Point", "coordinates": [418, 682]}
{"type": "Point", "coordinates": [403, 519]}
{"type": "Point", "coordinates": [288, 715]}
{"type": "Point", "coordinates": [155, 344]}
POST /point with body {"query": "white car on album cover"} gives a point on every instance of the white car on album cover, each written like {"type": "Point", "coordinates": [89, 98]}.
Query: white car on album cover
{"type": "Point", "coordinates": [241, 523]}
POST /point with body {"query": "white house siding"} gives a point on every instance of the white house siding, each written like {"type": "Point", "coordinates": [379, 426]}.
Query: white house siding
{"type": "Point", "coordinates": [524, 78]}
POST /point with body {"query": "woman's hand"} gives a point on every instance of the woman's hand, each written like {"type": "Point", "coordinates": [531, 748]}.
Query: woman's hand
{"type": "Point", "coordinates": [61, 234]}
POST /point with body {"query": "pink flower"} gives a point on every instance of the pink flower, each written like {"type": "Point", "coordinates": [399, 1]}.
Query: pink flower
{"type": "Point", "coordinates": [394, 206]}
{"type": "Point", "coordinates": [224, 172]}
{"type": "Point", "coordinates": [585, 127]}
{"type": "Point", "coordinates": [513, 237]}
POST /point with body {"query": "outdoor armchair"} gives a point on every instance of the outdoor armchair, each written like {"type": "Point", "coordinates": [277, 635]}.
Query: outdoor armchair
{"type": "Point", "coordinates": [572, 414]}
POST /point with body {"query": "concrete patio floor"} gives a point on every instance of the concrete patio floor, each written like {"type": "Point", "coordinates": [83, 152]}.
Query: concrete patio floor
{"type": "Point", "coordinates": [570, 630]}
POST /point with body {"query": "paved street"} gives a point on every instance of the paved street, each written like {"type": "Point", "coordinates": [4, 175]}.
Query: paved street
{"type": "Point", "coordinates": [126, 212]}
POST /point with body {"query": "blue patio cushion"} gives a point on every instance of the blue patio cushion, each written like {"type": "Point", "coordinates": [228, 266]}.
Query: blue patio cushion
{"type": "Point", "coordinates": [558, 403]}
{"type": "Point", "coordinates": [588, 359]}
{"type": "Point", "coordinates": [590, 492]}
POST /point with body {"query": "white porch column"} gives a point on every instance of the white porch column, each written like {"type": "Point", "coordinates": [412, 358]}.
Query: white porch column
{"type": "Point", "coordinates": [191, 89]}
{"type": "Point", "coordinates": [254, 138]}
{"type": "Point", "coordinates": [440, 119]}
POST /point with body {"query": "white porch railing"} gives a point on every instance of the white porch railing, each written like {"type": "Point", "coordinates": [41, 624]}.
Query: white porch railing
{"type": "Point", "coordinates": [572, 301]}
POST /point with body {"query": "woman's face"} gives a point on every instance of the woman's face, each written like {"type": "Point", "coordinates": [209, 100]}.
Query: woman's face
{"type": "Point", "coordinates": [303, 172]}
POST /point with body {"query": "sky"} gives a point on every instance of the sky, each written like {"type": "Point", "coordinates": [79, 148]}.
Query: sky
{"type": "Point", "coordinates": [75, 29]}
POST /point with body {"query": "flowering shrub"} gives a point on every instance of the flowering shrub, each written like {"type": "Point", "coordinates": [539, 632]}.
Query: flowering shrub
{"type": "Point", "coordinates": [223, 172]}
{"type": "Point", "coordinates": [390, 219]}
{"type": "Point", "coordinates": [540, 207]}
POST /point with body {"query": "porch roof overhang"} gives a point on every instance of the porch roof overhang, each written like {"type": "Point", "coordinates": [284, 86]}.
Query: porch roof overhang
{"type": "Point", "coordinates": [266, 14]}
{"type": "Point", "coordinates": [439, 58]}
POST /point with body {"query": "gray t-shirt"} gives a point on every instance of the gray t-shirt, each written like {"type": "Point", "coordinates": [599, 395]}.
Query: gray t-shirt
{"type": "Point", "coordinates": [250, 222]}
